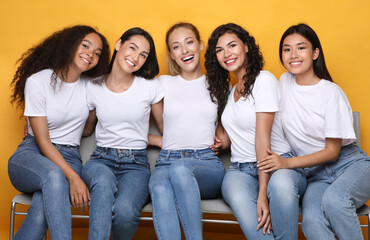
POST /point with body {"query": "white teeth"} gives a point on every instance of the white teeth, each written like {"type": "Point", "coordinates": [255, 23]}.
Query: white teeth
{"type": "Point", "coordinates": [187, 58]}
{"type": "Point", "coordinates": [83, 59]}
{"type": "Point", "coordinates": [130, 63]}
{"type": "Point", "coordinates": [295, 63]}
{"type": "Point", "coordinates": [230, 61]}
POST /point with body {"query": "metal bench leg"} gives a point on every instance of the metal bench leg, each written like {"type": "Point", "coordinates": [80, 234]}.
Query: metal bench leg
{"type": "Point", "coordinates": [12, 213]}
{"type": "Point", "coordinates": [368, 226]}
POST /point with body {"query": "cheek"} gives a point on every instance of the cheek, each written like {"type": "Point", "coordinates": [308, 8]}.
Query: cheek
{"type": "Point", "coordinates": [219, 59]}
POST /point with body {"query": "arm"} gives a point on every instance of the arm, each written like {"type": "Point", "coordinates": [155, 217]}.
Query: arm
{"type": "Point", "coordinates": [155, 140]}
{"type": "Point", "coordinates": [157, 112]}
{"type": "Point", "coordinates": [221, 141]}
{"type": "Point", "coordinates": [79, 193]}
{"type": "Point", "coordinates": [264, 123]}
{"type": "Point", "coordinates": [329, 154]}
{"type": "Point", "coordinates": [90, 123]}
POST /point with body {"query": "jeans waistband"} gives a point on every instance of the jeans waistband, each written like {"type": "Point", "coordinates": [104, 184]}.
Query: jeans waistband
{"type": "Point", "coordinates": [127, 151]}
{"type": "Point", "coordinates": [32, 138]}
{"type": "Point", "coordinates": [239, 165]}
{"type": "Point", "coordinates": [184, 152]}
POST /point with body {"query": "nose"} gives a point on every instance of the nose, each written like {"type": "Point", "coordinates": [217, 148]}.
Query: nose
{"type": "Point", "coordinates": [184, 49]}
{"type": "Point", "coordinates": [294, 53]}
{"type": "Point", "coordinates": [226, 53]}
{"type": "Point", "coordinates": [136, 56]}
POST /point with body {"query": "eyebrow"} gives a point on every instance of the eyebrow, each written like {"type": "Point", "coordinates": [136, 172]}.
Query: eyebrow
{"type": "Point", "coordinates": [176, 42]}
{"type": "Point", "coordinates": [139, 48]}
{"type": "Point", "coordinates": [300, 43]}
{"type": "Point", "coordinates": [227, 43]}
{"type": "Point", "coordinates": [85, 40]}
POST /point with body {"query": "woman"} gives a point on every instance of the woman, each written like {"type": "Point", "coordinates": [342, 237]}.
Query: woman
{"type": "Point", "coordinates": [317, 121]}
{"type": "Point", "coordinates": [117, 173]}
{"type": "Point", "coordinates": [250, 117]}
{"type": "Point", "coordinates": [186, 169]}
{"type": "Point", "coordinates": [48, 86]}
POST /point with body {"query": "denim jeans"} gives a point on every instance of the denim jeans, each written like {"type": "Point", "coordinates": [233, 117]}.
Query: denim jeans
{"type": "Point", "coordinates": [333, 193]}
{"type": "Point", "coordinates": [31, 172]}
{"type": "Point", "coordinates": [179, 181]}
{"type": "Point", "coordinates": [118, 183]}
{"type": "Point", "coordinates": [240, 190]}
{"type": "Point", "coordinates": [284, 190]}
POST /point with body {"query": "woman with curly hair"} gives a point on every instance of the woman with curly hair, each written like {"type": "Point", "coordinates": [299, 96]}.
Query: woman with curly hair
{"type": "Point", "coordinates": [50, 87]}
{"type": "Point", "coordinates": [187, 169]}
{"type": "Point", "coordinates": [317, 121]}
{"type": "Point", "coordinates": [117, 173]}
{"type": "Point", "coordinates": [251, 122]}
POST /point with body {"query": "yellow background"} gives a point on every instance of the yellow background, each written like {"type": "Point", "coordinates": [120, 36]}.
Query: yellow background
{"type": "Point", "coordinates": [343, 27]}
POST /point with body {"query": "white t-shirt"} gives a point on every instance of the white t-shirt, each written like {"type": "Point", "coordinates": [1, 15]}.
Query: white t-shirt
{"type": "Point", "coordinates": [189, 115]}
{"type": "Point", "coordinates": [239, 119]}
{"type": "Point", "coordinates": [123, 118]}
{"type": "Point", "coordinates": [312, 113]}
{"type": "Point", "coordinates": [64, 106]}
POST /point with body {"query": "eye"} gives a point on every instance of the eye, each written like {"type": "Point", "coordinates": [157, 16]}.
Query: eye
{"type": "Point", "coordinates": [232, 45]}
{"type": "Point", "coordinates": [132, 48]}
{"type": "Point", "coordinates": [286, 50]}
{"type": "Point", "coordinates": [98, 54]}
{"type": "Point", "coordinates": [175, 47]}
{"type": "Point", "coordinates": [144, 55]}
{"type": "Point", "coordinates": [301, 48]}
{"type": "Point", "coordinates": [85, 46]}
{"type": "Point", "coordinates": [190, 42]}
{"type": "Point", "coordinates": [218, 50]}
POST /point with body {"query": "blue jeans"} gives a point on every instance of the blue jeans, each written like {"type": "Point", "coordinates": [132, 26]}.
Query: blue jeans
{"type": "Point", "coordinates": [179, 181]}
{"type": "Point", "coordinates": [284, 190]}
{"type": "Point", "coordinates": [118, 183]}
{"type": "Point", "coordinates": [240, 190]}
{"type": "Point", "coordinates": [333, 193]}
{"type": "Point", "coordinates": [31, 172]}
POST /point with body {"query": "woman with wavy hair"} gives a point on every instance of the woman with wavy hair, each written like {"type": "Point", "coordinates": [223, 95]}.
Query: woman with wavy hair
{"type": "Point", "coordinates": [50, 87]}
{"type": "Point", "coordinates": [251, 122]}
{"type": "Point", "coordinates": [117, 173]}
{"type": "Point", "coordinates": [317, 121]}
{"type": "Point", "coordinates": [187, 169]}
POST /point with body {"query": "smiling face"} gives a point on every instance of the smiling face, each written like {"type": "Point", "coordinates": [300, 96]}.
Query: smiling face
{"type": "Point", "coordinates": [231, 53]}
{"type": "Point", "coordinates": [298, 55]}
{"type": "Point", "coordinates": [88, 53]}
{"type": "Point", "coordinates": [185, 49]}
{"type": "Point", "coordinates": [132, 54]}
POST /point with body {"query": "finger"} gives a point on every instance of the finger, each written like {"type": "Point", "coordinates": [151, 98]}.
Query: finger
{"type": "Point", "coordinates": [259, 218]}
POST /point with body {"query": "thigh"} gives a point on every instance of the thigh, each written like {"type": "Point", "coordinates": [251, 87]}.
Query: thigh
{"type": "Point", "coordinates": [311, 203]}
{"type": "Point", "coordinates": [288, 181]}
{"type": "Point", "coordinates": [96, 172]}
{"type": "Point", "coordinates": [72, 156]}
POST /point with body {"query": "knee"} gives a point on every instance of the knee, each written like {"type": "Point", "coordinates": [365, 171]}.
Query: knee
{"type": "Point", "coordinates": [56, 179]}
{"type": "Point", "coordinates": [282, 189]}
{"type": "Point", "coordinates": [333, 201]}
{"type": "Point", "coordinates": [178, 170]}
{"type": "Point", "coordinates": [125, 214]}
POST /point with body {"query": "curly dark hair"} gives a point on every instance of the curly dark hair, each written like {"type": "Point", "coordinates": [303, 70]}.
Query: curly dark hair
{"type": "Point", "coordinates": [56, 52]}
{"type": "Point", "coordinates": [218, 77]}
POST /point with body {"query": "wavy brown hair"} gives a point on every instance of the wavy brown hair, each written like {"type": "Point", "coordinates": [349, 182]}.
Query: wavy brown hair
{"type": "Point", "coordinates": [218, 77]}
{"type": "Point", "coordinates": [56, 52]}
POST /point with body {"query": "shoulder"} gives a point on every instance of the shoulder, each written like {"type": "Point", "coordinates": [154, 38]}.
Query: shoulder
{"type": "Point", "coordinates": [266, 78]}
{"type": "Point", "coordinates": [287, 76]}
{"type": "Point", "coordinates": [41, 76]}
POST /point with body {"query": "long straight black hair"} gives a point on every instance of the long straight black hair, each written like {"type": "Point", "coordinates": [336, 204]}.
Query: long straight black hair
{"type": "Point", "coordinates": [319, 66]}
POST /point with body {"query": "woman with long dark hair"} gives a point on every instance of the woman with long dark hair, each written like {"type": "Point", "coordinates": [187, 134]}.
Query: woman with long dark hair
{"type": "Point", "coordinates": [317, 121]}
{"type": "Point", "coordinates": [50, 87]}
{"type": "Point", "coordinates": [250, 117]}
{"type": "Point", "coordinates": [117, 173]}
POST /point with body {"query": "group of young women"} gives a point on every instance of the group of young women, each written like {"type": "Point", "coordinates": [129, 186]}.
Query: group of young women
{"type": "Point", "coordinates": [289, 140]}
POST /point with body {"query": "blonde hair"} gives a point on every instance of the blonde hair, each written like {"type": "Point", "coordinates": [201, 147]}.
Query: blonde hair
{"type": "Point", "coordinates": [172, 67]}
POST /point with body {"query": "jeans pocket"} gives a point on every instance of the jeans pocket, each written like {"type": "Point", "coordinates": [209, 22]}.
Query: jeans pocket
{"type": "Point", "coordinates": [97, 154]}
{"type": "Point", "coordinates": [141, 159]}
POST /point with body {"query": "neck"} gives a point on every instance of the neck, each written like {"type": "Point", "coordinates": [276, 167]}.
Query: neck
{"type": "Point", "coordinates": [308, 78]}
{"type": "Point", "coordinates": [239, 73]}
{"type": "Point", "coordinates": [72, 75]}
{"type": "Point", "coordinates": [195, 74]}
{"type": "Point", "coordinates": [118, 80]}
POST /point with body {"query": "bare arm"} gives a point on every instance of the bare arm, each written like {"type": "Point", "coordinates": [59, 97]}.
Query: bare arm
{"type": "Point", "coordinates": [329, 154]}
{"type": "Point", "coordinates": [157, 112]}
{"type": "Point", "coordinates": [90, 124]}
{"type": "Point", "coordinates": [221, 134]}
{"type": "Point", "coordinates": [79, 193]}
{"type": "Point", "coordinates": [264, 123]}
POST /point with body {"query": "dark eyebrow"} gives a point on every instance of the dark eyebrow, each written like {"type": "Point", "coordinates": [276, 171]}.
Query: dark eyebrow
{"type": "Point", "coordinates": [85, 40]}
{"type": "Point", "coordinates": [138, 48]}
{"type": "Point", "coordinates": [227, 44]}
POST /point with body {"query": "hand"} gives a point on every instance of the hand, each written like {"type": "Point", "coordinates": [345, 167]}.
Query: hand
{"type": "Point", "coordinates": [216, 145]}
{"type": "Point", "coordinates": [263, 215]}
{"type": "Point", "coordinates": [25, 129]}
{"type": "Point", "coordinates": [272, 162]}
{"type": "Point", "coordinates": [79, 193]}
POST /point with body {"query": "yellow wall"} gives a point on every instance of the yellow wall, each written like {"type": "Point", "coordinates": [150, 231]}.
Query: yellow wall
{"type": "Point", "coordinates": [343, 27]}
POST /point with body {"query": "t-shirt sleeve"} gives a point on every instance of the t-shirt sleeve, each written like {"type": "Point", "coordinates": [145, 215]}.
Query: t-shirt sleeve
{"type": "Point", "coordinates": [89, 95]}
{"type": "Point", "coordinates": [266, 93]}
{"type": "Point", "coordinates": [35, 99]}
{"type": "Point", "coordinates": [157, 91]}
{"type": "Point", "coordinates": [338, 117]}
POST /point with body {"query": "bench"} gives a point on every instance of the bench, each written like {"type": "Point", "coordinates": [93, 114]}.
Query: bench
{"type": "Point", "coordinates": [215, 206]}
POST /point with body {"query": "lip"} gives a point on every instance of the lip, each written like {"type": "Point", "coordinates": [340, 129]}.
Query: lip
{"type": "Point", "coordinates": [230, 62]}
{"type": "Point", "coordinates": [188, 59]}
{"type": "Point", "coordinates": [295, 63]}
{"type": "Point", "coordinates": [85, 60]}
{"type": "Point", "coordinates": [130, 63]}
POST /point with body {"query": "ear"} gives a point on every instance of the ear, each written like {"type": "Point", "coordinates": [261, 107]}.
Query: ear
{"type": "Point", "coordinates": [316, 54]}
{"type": "Point", "coordinates": [246, 48]}
{"type": "Point", "coordinates": [118, 45]}
{"type": "Point", "coordinates": [201, 45]}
